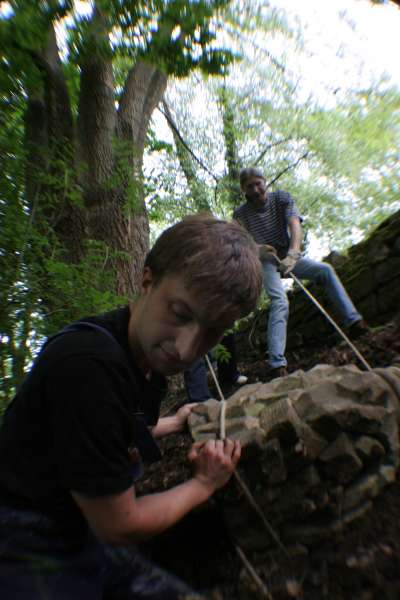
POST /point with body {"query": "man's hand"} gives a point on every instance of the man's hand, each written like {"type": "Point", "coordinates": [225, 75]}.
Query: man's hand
{"type": "Point", "coordinates": [214, 462]}
{"type": "Point", "coordinates": [266, 252]}
{"type": "Point", "coordinates": [173, 424]}
{"type": "Point", "coordinates": [183, 413]}
{"type": "Point", "coordinates": [287, 265]}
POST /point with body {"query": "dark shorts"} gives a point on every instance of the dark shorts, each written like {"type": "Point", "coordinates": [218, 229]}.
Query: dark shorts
{"type": "Point", "coordinates": [40, 562]}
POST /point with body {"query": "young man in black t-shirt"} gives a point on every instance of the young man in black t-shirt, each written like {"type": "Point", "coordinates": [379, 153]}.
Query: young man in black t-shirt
{"type": "Point", "coordinates": [73, 439]}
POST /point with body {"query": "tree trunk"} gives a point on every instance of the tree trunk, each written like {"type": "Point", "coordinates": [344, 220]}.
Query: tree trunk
{"type": "Point", "coordinates": [95, 168]}
{"type": "Point", "coordinates": [231, 151]}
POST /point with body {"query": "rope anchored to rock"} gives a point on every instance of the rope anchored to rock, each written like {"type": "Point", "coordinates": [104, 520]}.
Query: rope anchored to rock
{"type": "Point", "coordinates": [240, 481]}
{"type": "Point", "coordinates": [250, 498]}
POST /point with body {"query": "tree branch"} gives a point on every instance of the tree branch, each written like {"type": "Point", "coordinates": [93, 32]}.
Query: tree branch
{"type": "Point", "coordinates": [264, 152]}
{"type": "Point", "coordinates": [143, 90]}
{"type": "Point", "coordinates": [185, 160]}
{"type": "Point", "coordinates": [186, 145]}
{"type": "Point", "coordinates": [156, 89]}
{"type": "Point", "coordinates": [286, 169]}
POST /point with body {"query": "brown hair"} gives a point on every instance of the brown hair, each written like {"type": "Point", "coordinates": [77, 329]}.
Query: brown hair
{"type": "Point", "coordinates": [217, 259]}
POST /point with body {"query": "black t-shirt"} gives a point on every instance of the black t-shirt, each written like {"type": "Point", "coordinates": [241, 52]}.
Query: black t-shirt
{"type": "Point", "coordinates": [71, 425]}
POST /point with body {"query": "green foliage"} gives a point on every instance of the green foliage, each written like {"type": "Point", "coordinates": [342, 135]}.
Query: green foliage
{"type": "Point", "coordinates": [52, 270]}
{"type": "Point", "coordinates": [176, 35]}
{"type": "Point", "coordinates": [221, 354]}
{"type": "Point", "coordinates": [338, 159]}
{"type": "Point", "coordinates": [68, 280]}
{"type": "Point", "coordinates": [40, 290]}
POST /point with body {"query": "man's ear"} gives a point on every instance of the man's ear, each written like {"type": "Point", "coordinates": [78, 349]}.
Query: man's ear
{"type": "Point", "coordinates": [147, 281]}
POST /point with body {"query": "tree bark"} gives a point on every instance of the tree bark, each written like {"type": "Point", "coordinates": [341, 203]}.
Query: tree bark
{"type": "Point", "coordinates": [107, 156]}
{"type": "Point", "coordinates": [144, 88]}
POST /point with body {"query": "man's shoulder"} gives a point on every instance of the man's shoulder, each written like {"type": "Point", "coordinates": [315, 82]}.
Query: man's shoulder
{"type": "Point", "coordinates": [80, 341]}
{"type": "Point", "coordinates": [78, 345]}
{"type": "Point", "coordinates": [240, 209]}
{"type": "Point", "coordinates": [280, 196]}
{"type": "Point", "coordinates": [245, 210]}
{"type": "Point", "coordinates": [95, 334]}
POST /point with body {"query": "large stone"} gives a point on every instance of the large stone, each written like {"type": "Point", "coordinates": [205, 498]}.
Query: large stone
{"type": "Point", "coordinates": [330, 406]}
{"type": "Point", "coordinates": [276, 471]}
{"type": "Point", "coordinates": [241, 424]}
{"type": "Point", "coordinates": [319, 446]}
{"type": "Point", "coordinates": [311, 532]}
{"type": "Point", "coordinates": [368, 449]}
{"type": "Point", "coordinates": [388, 296]}
{"type": "Point", "coordinates": [249, 439]}
{"type": "Point", "coordinates": [311, 442]}
{"type": "Point", "coordinates": [367, 486]}
{"type": "Point", "coordinates": [341, 463]}
{"type": "Point", "coordinates": [385, 271]}
{"type": "Point", "coordinates": [253, 410]}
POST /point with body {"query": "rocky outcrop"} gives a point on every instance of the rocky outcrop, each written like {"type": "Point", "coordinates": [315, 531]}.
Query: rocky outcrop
{"type": "Point", "coordinates": [318, 447]}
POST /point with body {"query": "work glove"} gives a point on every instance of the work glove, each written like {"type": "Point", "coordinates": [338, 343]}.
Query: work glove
{"type": "Point", "coordinates": [287, 265]}
{"type": "Point", "coordinates": [266, 252]}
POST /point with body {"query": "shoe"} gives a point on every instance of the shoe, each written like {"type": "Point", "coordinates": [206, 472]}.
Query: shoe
{"type": "Point", "coordinates": [241, 380]}
{"type": "Point", "coordinates": [277, 372]}
{"type": "Point", "coordinates": [358, 329]}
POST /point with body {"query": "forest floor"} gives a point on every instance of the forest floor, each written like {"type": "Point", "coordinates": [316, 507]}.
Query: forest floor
{"type": "Point", "coordinates": [360, 563]}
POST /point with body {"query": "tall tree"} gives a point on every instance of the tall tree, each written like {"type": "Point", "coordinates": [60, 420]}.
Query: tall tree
{"type": "Point", "coordinates": [81, 89]}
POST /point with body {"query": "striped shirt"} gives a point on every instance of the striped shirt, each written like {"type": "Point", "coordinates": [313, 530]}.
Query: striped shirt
{"type": "Point", "coordinates": [269, 224]}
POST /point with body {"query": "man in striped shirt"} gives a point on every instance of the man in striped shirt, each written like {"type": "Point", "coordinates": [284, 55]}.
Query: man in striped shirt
{"type": "Point", "coordinates": [275, 224]}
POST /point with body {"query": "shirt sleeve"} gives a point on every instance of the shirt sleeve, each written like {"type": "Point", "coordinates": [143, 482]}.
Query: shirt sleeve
{"type": "Point", "coordinates": [91, 425]}
{"type": "Point", "coordinates": [291, 209]}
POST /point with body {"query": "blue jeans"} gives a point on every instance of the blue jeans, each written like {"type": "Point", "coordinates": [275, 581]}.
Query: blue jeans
{"type": "Point", "coordinates": [195, 378]}
{"type": "Point", "coordinates": [196, 382]}
{"type": "Point", "coordinates": [41, 561]}
{"type": "Point", "coordinates": [321, 273]}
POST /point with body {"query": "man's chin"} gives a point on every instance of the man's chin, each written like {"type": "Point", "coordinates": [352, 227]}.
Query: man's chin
{"type": "Point", "coordinates": [168, 371]}
{"type": "Point", "coordinates": [258, 201]}
{"type": "Point", "coordinates": [167, 366]}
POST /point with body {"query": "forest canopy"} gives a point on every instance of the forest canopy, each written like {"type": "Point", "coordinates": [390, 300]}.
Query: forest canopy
{"type": "Point", "coordinates": [118, 118]}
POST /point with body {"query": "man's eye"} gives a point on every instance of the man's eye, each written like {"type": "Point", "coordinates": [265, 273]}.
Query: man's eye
{"type": "Point", "coordinates": [179, 316]}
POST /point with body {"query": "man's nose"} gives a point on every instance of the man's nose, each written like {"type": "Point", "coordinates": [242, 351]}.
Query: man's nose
{"type": "Point", "coordinates": [189, 343]}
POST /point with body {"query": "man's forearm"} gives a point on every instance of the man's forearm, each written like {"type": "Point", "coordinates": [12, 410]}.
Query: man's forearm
{"type": "Point", "coordinates": [157, 512]}
{"type": "Point", "coordinates": [296, 235]}
{"type": "Point", "coordinates": [122, 518]}
{"type": "Point", "coordinates": [125, 519]}
{"type": "Point", "coordinates": [165, 426]}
